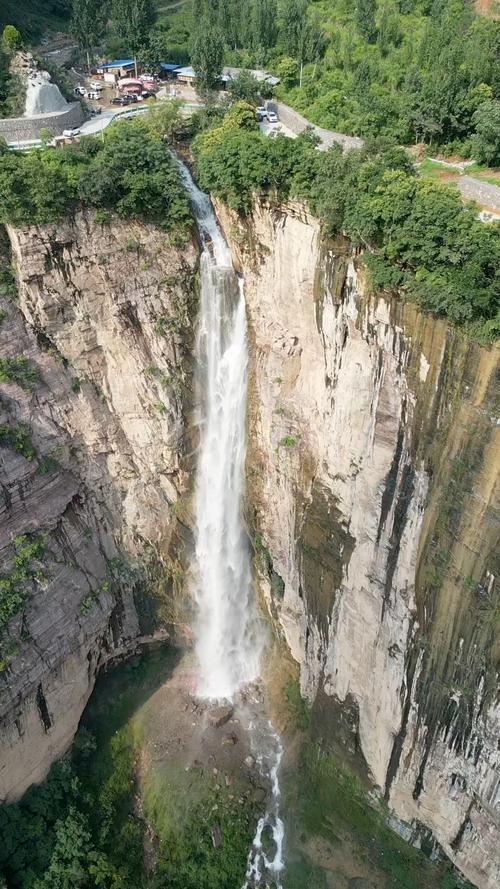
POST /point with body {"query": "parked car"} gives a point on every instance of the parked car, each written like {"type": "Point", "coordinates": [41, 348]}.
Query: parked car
{"type": "Point", "coordinates": [261, 110]}
{"type": "Point", "coordinates": [97, 86]}
{"type": "Point", "coordinates": [80, 90]}
{"type": "Point", "coordinates": [70, 134]}
{"type": "Point", "coordinates": [272, 117]}
{"type": "Point", "coordinates": [148, 94]}
{"type": "Point", "coordinates": [93, 94]}
{"type": "Point", "coordinates": [95, 110]}
{"type": "Point", "coordinates": [122, 100]}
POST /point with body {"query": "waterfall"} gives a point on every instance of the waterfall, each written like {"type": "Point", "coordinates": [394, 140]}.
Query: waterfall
{"type": "Point", "coordinates": [228, 645]}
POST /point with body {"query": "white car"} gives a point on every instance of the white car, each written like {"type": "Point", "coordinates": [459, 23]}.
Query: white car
{"type": "Point", "coordinates": [70, 134]}
{"type": "Point", "coordinates": [272, 117]}
{"type": "Point", "coordinates": [97, 86]}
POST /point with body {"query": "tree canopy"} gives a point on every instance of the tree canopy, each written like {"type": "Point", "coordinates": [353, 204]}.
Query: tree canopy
{"type": "Point", "coordinates": [418, 236]}
{"type": "Point", "coordinates": [130, 172]}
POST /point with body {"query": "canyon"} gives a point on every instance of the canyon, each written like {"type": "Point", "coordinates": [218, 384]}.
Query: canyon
{"type": "Point", "coordinates": [372, 501]}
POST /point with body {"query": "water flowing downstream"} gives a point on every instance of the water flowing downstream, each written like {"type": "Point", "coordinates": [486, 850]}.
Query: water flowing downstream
{"type": "Point", "coordinates": [228, 642]}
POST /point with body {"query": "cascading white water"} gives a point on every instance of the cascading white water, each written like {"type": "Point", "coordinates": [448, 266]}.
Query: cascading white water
{"type": "Point", "coordinates": [227, 644]}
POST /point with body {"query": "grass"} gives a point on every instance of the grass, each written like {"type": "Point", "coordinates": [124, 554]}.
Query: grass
{"type": "Point", "coordinates": [430, 169]}
{"type": "Point", "coordinates": [484, 174]}
{"type": "Point", "coordinates": [332, 804]}
{"type": "Point", "coordinates": [288, 441]}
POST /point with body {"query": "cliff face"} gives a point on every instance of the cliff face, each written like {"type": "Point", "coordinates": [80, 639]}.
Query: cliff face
{"type": "Point", "coordinates": [373, 480]}
{"type": "Point", "coordinates": [104, 316]}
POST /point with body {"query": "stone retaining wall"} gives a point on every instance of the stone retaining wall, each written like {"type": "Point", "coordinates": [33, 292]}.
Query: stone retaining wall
{"type": "Point", "coordinates": [23, 129]}
{"type": "Point", "coordinates": [297, 124]}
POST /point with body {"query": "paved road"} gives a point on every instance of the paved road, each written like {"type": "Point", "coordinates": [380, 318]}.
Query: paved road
{"type": "Point", "coordinates": [484, 193]}
{"type": "Point", "coordinates": [294, 122]}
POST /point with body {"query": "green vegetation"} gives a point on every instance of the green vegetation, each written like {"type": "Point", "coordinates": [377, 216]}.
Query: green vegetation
{"type": "Point", "coordinates": [207, 57]}
{"type": "Point", "coordinates": [88, 23]}
{"type": "Point", "coordinates": [21, 371]}
{"type": "Point", "coordinates": [418, 236]}
{"type": "Point", "coordinates": [130, 172]}
{"type": "Point", "coordinates": [34, 18]}
{"type": "Point", "coordinates": [81, 828]}
{"type": "Point", "coordinates": [187, 856]}
{"type": "Point", "coordinates": [8, 287]}
{"type": "Point", "coordinates": [409, 69]}
{"type": "Point", "coordinates": [11, 39]}
{"type": "Point", "coordinates": [333, 804]}
{"type": "Point", "coordinates": [288, 441]}
{"type": "Point", "coordinates": [18, 583]}
{"type": "Point", "coordinates": [486, 141]}
{"type": "Point", "coordinates": [92, 598]}
{"type": "Point", "coordinates": [18, 438]}
{"type": "Point", "coordinates": [297, 707]}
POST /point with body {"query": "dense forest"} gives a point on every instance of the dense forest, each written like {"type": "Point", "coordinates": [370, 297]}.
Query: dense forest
{"type": "Point", "coordinates": [420, 237]}
{"type": "Point", "coordinates": [415, 70]}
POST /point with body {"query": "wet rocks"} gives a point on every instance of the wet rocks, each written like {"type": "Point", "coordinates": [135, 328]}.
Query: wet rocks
{"type": "Point", "coordinates": [219, 716]}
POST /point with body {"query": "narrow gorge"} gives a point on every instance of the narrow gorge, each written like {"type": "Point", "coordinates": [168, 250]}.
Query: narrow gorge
{"type": "Point", "coordinates": [371, 503]}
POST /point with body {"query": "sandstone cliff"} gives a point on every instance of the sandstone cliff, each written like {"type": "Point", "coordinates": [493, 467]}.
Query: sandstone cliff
{"type": "Point", "coordinates": [373, 480]}
{"type": "Point", "coordinates": [104, 317]}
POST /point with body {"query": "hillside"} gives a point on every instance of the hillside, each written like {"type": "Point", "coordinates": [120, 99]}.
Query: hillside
{"type": "Point", "coordinates": [34, 18]}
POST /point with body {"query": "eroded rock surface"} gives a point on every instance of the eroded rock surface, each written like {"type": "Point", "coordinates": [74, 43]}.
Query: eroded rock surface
{"type": "Point", "coordinates": [105, 316]}
{"type": "Point", "coordinates": [373, 479]}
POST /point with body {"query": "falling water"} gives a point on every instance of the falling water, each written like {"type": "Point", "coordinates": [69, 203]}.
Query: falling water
{"type": "Point", "coordinates": [226, 640]}
{"type": "Point", "coordinates": [227, 643]}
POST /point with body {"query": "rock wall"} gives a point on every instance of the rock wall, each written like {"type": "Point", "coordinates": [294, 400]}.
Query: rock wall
{"type": "Point", "coordinates": [373, 480]}
{"type": "Point", "coordinates": [104, 317]}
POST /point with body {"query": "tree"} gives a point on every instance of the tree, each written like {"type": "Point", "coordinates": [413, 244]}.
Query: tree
{"type": "Point", "coordinates": [288, 71]}
{"type": "Point", "coordinates": [245, 86]}
{"type": "Point", "coordinates": [11, 39]}
{"type": "Point", "coordinates": [486, 140]}
{"type": "Point", "coordinates": [46, 135]}
{"type": "Point", "coordinates": [301, 35]}
{"type": "Point", "coordinates": [365, 19]}
{"type": "Point", "coordinates": [292, 26]}
{"type": "Point", "coordinates": [207, 57]}
{"type": "Point", "coordinates": [134, 20]}
{"type": "Point", "coordinates": [88, 22]}
{"type": "Point", "coordinates": [264, 21]}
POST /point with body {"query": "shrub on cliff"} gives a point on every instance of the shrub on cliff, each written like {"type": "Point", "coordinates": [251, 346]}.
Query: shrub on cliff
{"type": "Point", "coordinates": [130, 172]}
{"type": "Point", "coordinates": [418, 235]}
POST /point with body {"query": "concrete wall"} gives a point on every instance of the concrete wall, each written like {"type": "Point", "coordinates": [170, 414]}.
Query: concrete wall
{"type": "Point", "coordinates": [23, 129]}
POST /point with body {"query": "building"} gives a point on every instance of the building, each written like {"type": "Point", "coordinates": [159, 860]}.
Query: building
{"type": "Point", "coordinates": [229, 73]}
{"type": "Point", "coordinates": [186, 75]}
{"type": "Point", "coordinates": [113, 70]}
{"type": "Point", "coordinates": [168, 70]}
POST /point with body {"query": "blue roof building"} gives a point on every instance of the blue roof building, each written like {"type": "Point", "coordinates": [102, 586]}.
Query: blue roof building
{"type": "Point", "coordinates": [120, 63]}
